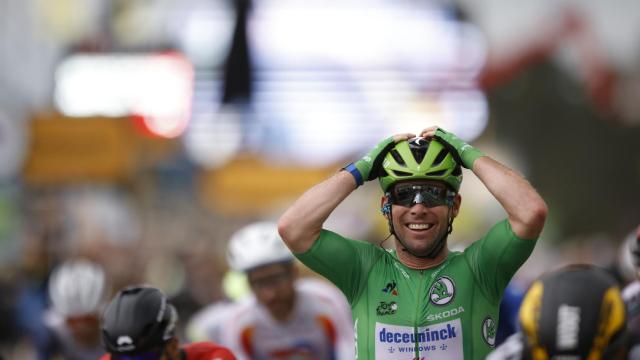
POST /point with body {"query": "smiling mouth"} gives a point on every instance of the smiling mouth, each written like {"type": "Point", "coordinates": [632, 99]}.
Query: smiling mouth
{"type": "Point", "coordinates": [419, 226]}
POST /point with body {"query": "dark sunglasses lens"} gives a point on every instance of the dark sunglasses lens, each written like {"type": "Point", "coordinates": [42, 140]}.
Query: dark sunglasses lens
{"type": "Point", "coordinates": [429, 195]}
{"type": "Point", "coordinates": [271, 281]}
{"type": "Point", "coordinates": [404, 196]}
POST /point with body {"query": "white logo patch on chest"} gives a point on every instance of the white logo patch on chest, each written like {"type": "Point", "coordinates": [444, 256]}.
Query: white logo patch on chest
{"type": "Point", "coordinates": [489, 331]}
{"type": "Point", "coordinates": [442, 291]}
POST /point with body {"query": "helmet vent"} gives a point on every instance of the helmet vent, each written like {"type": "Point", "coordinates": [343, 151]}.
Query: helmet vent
{"type": "Point", "coordinates": [397, 157]}
{"type": "Point", "coordinates": [401, 173]}
{"type": "Point", "coordinates": [436, 173]}
{"type": "Point", "coordinates": [441, 155]}
{"type": "Point", "coordinates": [418, 147]}
{"type": "Point", "coordinates": [419, 153]}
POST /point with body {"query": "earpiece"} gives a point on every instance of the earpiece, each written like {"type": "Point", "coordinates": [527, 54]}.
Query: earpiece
{"type": "Point", "coordinates": [386, 208]}
{"type": "Point", "coordinates": [450, 198]}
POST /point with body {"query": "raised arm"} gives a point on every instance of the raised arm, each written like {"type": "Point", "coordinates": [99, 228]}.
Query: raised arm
{"type": "Point", "coordinates": [300, 225]}
{"type": "Point", "coordinates": [526, 210]}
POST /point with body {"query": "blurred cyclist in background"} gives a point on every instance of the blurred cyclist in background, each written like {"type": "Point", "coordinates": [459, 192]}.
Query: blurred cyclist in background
{"type": "Point", "coordinates": [139, 324]}
{"type": "Point", "coordinates": [631, 295]}
{"type": "Point", "coordinates": [576, 312]}
{"type": "Point", "coordinates": [285, 318]}
{"type": "Point", "coordinates": [77, 289]}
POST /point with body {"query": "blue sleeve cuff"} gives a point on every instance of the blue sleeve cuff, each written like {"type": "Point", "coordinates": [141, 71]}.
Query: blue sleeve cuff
{"type": "Point", "coordinates": [353, 170]}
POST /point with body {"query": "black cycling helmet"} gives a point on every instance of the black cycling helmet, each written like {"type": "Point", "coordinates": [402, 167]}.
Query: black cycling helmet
{"type": "Point", "coordinates": [575, 312]}
{"type": "Point", "coordinates": [137, 320]}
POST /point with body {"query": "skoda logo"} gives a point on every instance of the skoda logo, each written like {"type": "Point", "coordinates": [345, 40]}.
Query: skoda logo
{"type": "Point", "coordinates": [489, 331]}
{"type": "Point", "coordinates": [442, 291]}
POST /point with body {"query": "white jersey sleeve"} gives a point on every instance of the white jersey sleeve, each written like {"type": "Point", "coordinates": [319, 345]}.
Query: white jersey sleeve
{"type": "Point", "coordinates": [208, 323]}
{"type": "Point", "coordinates": [339, 312]}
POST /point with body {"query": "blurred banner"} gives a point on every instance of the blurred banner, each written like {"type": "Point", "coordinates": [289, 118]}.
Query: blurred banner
{"type": "Point", "coordinates": [248, 185]}
{"type": "Point", "coordinates": [67, 150]}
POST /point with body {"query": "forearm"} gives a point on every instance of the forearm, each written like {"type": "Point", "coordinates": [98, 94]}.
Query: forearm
{"type": "Point", "coordinates": [525, 208]}
{"type": "Point", "coordinates": [301, 223]}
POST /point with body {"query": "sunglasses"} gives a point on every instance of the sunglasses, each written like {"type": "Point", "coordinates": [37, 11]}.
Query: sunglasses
{"type": "Point", "coordinates": [270, 281]}
{"type": "Point", "coordinates": [430, 195]}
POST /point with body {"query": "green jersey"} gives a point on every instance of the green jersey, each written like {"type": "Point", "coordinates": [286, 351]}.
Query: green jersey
{"type": "Point", "coordinates": [446, 312]}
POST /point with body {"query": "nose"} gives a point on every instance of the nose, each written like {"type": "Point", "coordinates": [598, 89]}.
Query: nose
{"type": "Point", "coordinates": [418, 208]}
{"type": "Point", "coordinates": [268, 293]}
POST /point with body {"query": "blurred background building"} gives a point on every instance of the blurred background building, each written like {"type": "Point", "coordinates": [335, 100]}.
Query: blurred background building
{"type": "Point", "coordinates": [141, 134]}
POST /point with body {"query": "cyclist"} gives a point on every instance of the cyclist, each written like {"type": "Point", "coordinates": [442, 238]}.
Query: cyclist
{"type": "Point", "coordinates": [285, 318]}
{"type": "Point", "coordinates": [77, 292]}
{"type": "Point", "coordinates": [631, 295]}
{"type": "Point", "coordinates": [420, 300]}
{"type": "Point", "coordinates": [576, 312]}
{"type": "Point", "coordinates": [139, 324]}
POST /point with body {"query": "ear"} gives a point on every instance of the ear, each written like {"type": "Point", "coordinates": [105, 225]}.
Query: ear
{"type": "Point", "coordinates": [457, 200]}
{"type": "Point", "coordinates": [173, 348]}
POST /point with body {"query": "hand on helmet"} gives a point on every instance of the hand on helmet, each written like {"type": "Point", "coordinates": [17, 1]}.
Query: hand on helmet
{"type": "Point", "coordinates": [464, 153]}
{"type": "Point", "coordinates": [368, 168]}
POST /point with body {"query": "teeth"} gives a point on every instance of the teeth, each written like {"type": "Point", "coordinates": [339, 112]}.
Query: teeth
{"type": "Point", "coordinates": [419, 226]}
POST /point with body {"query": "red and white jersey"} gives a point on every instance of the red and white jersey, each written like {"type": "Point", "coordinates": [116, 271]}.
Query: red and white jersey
{"type": "Point", "coordinates": [319, 327]}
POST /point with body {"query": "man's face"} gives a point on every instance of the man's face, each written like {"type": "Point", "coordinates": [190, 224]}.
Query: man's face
{"type": "Point", "coordinates": [171, 350]}
{"type": "Point", "coordinates": [85, 329]}
{"type": "Point", "coordinates": [273, 287]}
{"type": "Point", "coordinates": [420, 224]}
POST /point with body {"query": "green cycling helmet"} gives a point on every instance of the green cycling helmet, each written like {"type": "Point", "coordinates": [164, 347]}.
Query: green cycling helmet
{"type": "Point", "coordinates": [420, 159]}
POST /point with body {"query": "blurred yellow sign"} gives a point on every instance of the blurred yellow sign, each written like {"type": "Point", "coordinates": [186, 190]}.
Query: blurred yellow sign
{"type": "Point", "coordinates": [248, 185]}
{"type": "Point", "coordinates": [79, 149]}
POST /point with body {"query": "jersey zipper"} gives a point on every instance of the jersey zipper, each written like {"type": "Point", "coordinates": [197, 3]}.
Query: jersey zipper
{"type": "Point", "coordinates": [425, 298]}
{"type": "Point", "coordinates": [416, 320]}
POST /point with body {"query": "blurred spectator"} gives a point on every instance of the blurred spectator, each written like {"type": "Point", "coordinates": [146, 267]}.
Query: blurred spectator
{"type": "Point", "coordinates": [40, 236]}
{"type": "Point", "coordinates": [139, 324]}
{"type": "Point", "coordinates": [77, 291]}
{"type": "Point", "coordinates": [286, 318]}
{"type": "Point", "coordinates": [8, 326]}
{"type": "Point", "coordinates": [509, 307]}
{"type": "Point", "coordinates": [200, 283]}
{"type": "Point", "coordinates": [631, 295]}
{"type": "Point", "coordinates": [576, 312]}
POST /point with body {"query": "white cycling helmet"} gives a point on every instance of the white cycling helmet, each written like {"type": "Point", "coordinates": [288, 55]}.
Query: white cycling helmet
{"type": "Point", "coordinates": [255, 245]}
{"type": "Point", "coordinates": [77, 288]}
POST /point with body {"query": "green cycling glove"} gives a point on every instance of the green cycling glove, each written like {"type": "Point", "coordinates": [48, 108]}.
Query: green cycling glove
{"type": "Point", "coordinates": [368, 168]}
{"type": "Point", "coordinates": [464, 153]}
